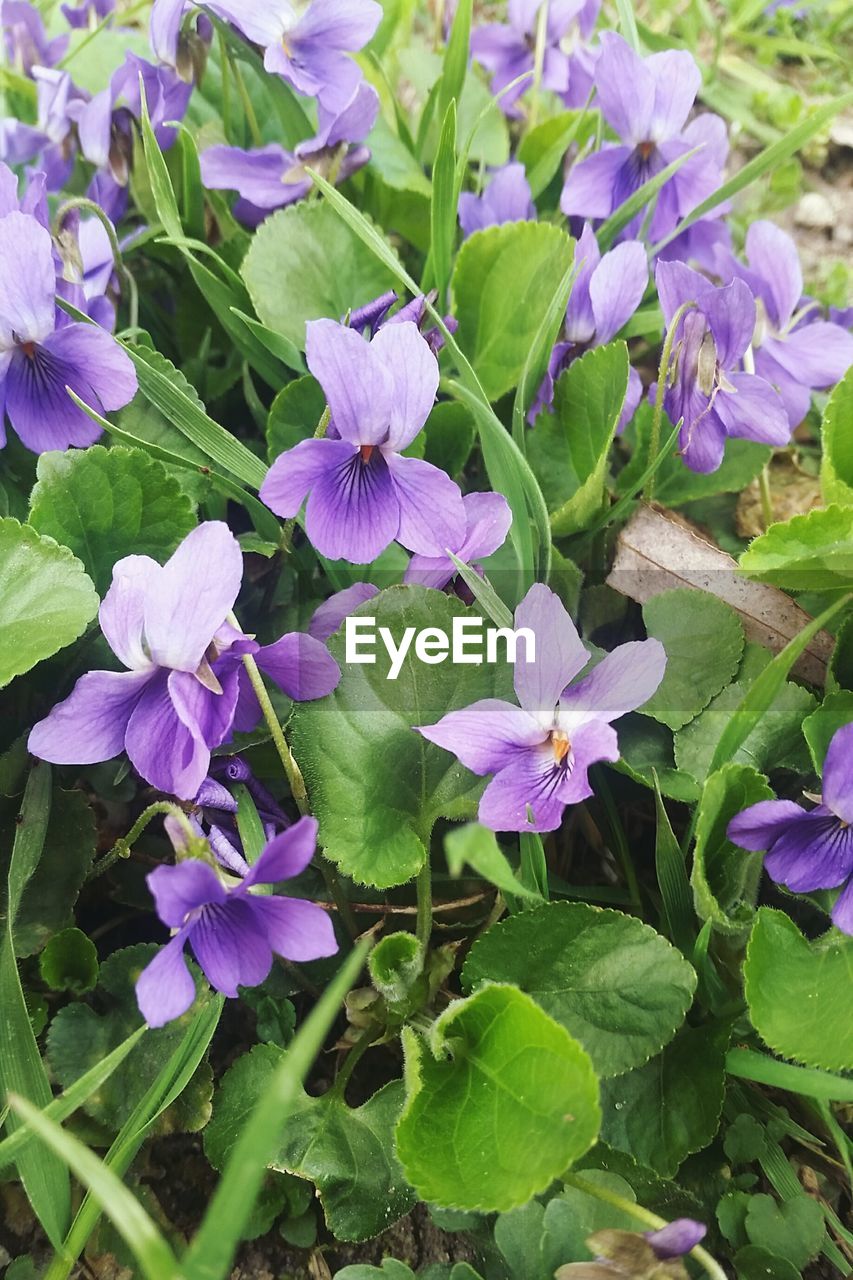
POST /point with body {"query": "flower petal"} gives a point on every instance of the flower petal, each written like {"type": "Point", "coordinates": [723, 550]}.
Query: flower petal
{"type": "Point", "coordinates": [161, 747]}
{"type": "Point", "coordinates": [413, 369]}
{"type": "Point", "coordinates": [758, 826]}
{"type": "Point", "coordinates": [814, 853]}
{"type": "Point", "coordinates": [196, 591]}
{"type": "Point", "coordinates": [616, 288]}
{"type": "Point", "coordinates": [753, 410]}
{"type": "Point", "coordinates": [358, 388]}
{"type": "Point", "coordinates": [590, 743]}
{"type": "Point", "coordinates": [589, 190]}
{"type": "Point", "coordinates": [731, 314]}
{"type": "Point", "coordinates": [39, 407]}
{"type": "Point", "coordinates": [559, 653]}
{"type": "Point", "coordinates": [487, 736]}
{"type": "Point", "coordinates": [817, 354]}
{"type": "Point", "coordinates": [622, 681]}
{"type": "Point", "coordinates": [257, 175]}
{"type": "Point", "coordinates": [773, 255]}
{"type": "Point", "coordinates": [177, 890]}
{"type": "Point", "coordinates": [488, 518]}
{"type": "Point", "coordinates": [300, 665]}
{"type": "Point", "coordinates": [345, 25]}
{"type": "Point", "coordinates": [122, 612]}
{"type": "Point", "coordinates": [532, 781]}
{"type": "Point", "coordinates": [677, 80]}
{"type": "Point", "coordinates": [295, 472]}
{"type": "Point", "coordinates": [838, 774]}
{"type": "Point", "coordinates": [327, 617]}
{"type": "Point", "coordinates": [206, 714]}
{"type": "Point", "coordinates": [26, 296]}
{"type": "Point", "coordinates": [165, 989]}
{"type": "Point", "coordinates": [432, 516]}
{"type": "Point", "coordinates": [90, 724]}
{"type": "Point", "coordinates": [298, 930]}
{"type": "Point", "coordinates": [229, 948]}
{"type": "Point", "coordinates": [842, 911]}
{"type": "Point", "coordinates": [626, 87]}
{"type": "Point", "coordinates": [287, 855]}
{"type": "Point", "coordinates": [353, 511]}
{"type": "Point", "coordinates": [677, 1238]}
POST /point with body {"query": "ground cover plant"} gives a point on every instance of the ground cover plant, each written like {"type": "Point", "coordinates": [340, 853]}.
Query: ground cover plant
{"type": "Point", "coordinates": [426, 642]}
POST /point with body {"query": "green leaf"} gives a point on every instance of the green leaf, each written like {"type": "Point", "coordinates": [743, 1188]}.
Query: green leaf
{"type": "Point", "coordinates": [456, 55]}
{"type": "Point", "coordinates": [52, 889]}
{"type": "Point", "coordinates": [811, 552]}
{"type": "Point", "coordinates": [725, 878]}
{"type": "Point", "coordinates": [43, 1175]}
{"type": "Point", "coordinates": [444, 198]}
{"type": "Point", "coordinates": [294, 415]}
{"type": "Point", "coordinates": [669, 1108]}
{"type": "Point", "coordinates": [79, 1037]}
{"type": "Point", "coordinates": [568, 447]}
{"type": "Point", "coordinates": [703, 639]}
{"type": "Point", "coordinates": [500, 1104]}
{"type": "Point", "coordinates": [836, 469]}
{"type": "Point", "coordinates": [774, 742]}
{"type": "Point", "coordinates": [791, 1229]}
{"type": "Point", "coordinates": [478, 847]}
{"type": "Point", "coordinates": [449, 437]}
{"type": "Point", "coordinates": [646, 753]}
{"type": "Point", "coordinates": [539, 353]}
{"type": "Point", "coordinates": [819, 728]}
{"type": "Point", "coordinates": [617, 986]}
{"type": "Point", "coordinates": [752, 1263]}
{"type": "Point", "coordinates": [46, 598]}
{"type": "Point", "coordinates": [107, 503]}
{"type": "Point", "coordinates": [375, 821]}
{"type": "Point", "coordinates": [799, 992]}
{"type": "Point", "coordinates": [503, 281]}
{"type": "Point", "coordinates": [672, 879]}
{"type": "Point", "coordinates": [69, 962]}
{"type": "Point", "coordinates": [304, 264]}
{"type": "Point", "coordinates": [543, 148]}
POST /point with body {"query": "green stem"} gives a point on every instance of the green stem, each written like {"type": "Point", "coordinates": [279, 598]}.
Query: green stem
{"type": "Point", "coordinates": [121, 848]}
{"type": "Point", "coordinates": [251, 118]}
{"type": "Point", "coordinates": [538, 62]}
{"type": "Point", "coordinates": [766, 497]}
{"type": "Point", "coordinates": [352, 1060]}
{"type": "Point", "coordinates": [647, 1218]}
{"type": "Point", "coordinates": [82, 202]}
{"type": "Point", "coordinates": [423, 928]}
{"type": "Point", "coordinates": [619, 839]}
{"type": "Point", "coordinates": [663, 374]}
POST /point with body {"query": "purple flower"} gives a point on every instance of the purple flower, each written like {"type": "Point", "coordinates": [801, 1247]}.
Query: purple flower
{"type": "Point", "coordinates": [232, 931]}
{"type": "Point", "coordinates": [488, 517]}
{"type": "Point", "coordinates": [706, 393]}
{"type": "Point", "coordinates": [270, 177]}
{"type": "Point", "coordinates": [507, 50]}
{"type": "Point", "coordinates": [646, 101]}
{"type": "Point", "coordinates": [507, 198]}
{"type": "Point", "coordinates": [42, 352]}
{"type": "Point", "coordinates": [328, 616]}
{"type": "Point", "coordinates": [541, 750]}
{"type": "Point", "coordinates": [184, 689]}
{"type": "Point", "coordinates": [676, 1238]}
{"type": "Point", "coordinates": [362, 493]}
{"type": "Point", "coordinates": [308, 48]}
{"type": "Point", "coordinates": [629, 1255]}
{"type": "Point", "coordinates": [809, 849]}
{"type": "Point", "coordinates": [794, 351]}
{"type": "Point", "coordinates": [606, 293]}
{"type": "Point", "coordinates": [25, 38]}
{"type": "Point", "coordinates": [88, 13]}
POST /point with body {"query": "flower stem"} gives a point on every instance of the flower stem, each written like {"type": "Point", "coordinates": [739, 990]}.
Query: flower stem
{"type": "Point", "coordinates": [663, 374]}
{"type": "Point", "coordinates": [82, 202]}
{"type": "Point", "coordinates": [352, 1060]}
{"type": "Point", "coordinates": [423, 926]}
{"type": "Point", "coordinates": [122, 847]}
{"type": "Point", "coordinates": [648, 1219]}
{"type": "Point", "coordinates": [291, 768]}
{"type": "Point", "coordinates": [538, 62]}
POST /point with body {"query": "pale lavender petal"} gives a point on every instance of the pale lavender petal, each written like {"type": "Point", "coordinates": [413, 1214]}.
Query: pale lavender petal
{"type": "Point", "coordinates": [183, 888]}
{"type": "Point", "coordinates": [773, 255]}
{"type": "Point", "coordinates": [838, 774]}
{"type": "Point", "coordinates": [26, 297]}
{"type": "Point", "coordinates": [349, 120]}
{"type": "Point", "coordinates": [676, 284]}
{"type": "Point", "coordinates": [300, 665]}
{"type": "Point", "coordinates": [165, 28]}
{"type": "Point", "coordinates": [531, 782]}
{"type": "Point", "coordinates": [92, 357]}
{"type": "Point", "coordinates": [814, 853]}
{"type": "Point", "coordinates": [753, 410]}
{"type": "Point", "coordinates": [413, 370]}
{"type": "Point", "coordinates": [703, 443]}
{"type": "Point", "coordinates": [817, 354]}
{"type": "Point", "coordinates": [488, 517]}
{"type": "Point", "coordinates": [353, 512]}
{"type": "Point", "coordinates": [842, 911]}
{"type": "Point", "coordinates": [257, 175]}
{"type": "Point", "coordinates": [757, 827]}
{"type": "Point", "coordinates": [295, 472]}
{"type": "Point", "coordinates": [229, 948]}
{"type": "Point", "coordinates": [622, 681]}
{"type": "Point", "coordinates": [161, 747]}
{"type": "Point", "coordinates": [677, 1238]}
{"type": "Point", "coordinates": [559, 652]}
{"type": "Point", "coordinates": [487, 736]}
{"type": "Point", "coordinates": [286, 856]}
{"type": "Point", "coordinates": [633, 396]}
{"type": "Point", "coordinates": [590, 188]}
{"type": "Point", "coordinates": [165, 989]}
{"type": "Point", "coordinates": [358, 388]}
{"type": "Point", "coordinates": [506, 199]}
{"type": "Point", "coordinates": [677, 80]}
{"type": "Point", "coordinates": [338, 24]}
{"type": "Point", "coordinates": [591, 743]}
{"type": "Point", "coordinates": [430, 571]}
{"type": "Point", "coordinates": [298, 930]}
{"type": "Point", "coordinates": [795, 397]}
{"type": "Point", "coordinates": [580, 320]}
{"type": "Point", "coordinates": [328, 616]}
{"type": "Point", "coordinates": [432, 516]}
{"type": "Point", "coordinates": [626, 89]}
{"type": "Point", "coordinates": [90, 724]}
{"type": "Point", "coordinates": [122, 612]}
{"type": "Point", "coordinates": [264, 22]}
{"type": "Point", "coordinates": [616, 288]}
{"type": "Point", "coordinates": [731, 315]}
{"type": "Point", "coordinates": [196, 591]}
{"type": "Point", "coordinates": [94, 126]}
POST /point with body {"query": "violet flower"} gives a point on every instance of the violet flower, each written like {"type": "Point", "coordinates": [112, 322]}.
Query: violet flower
{"type": "Point", "coordinates": [706, 392]}
{"type": "Point", "coordinates": [607, 291]}
{"type": "Point", "coordinates": [25, 38]}
{"type": "Point", "coordinates": [809, 849]}
{"type": "Point", "coordinates": [233, 932]}
{"type": "Point", "coordinates": [646, 101]}
{"type": "Point", "coordinates": [87, 13]}
{"type": "Point", "coordinates": [362, 492]}
{"type": "Point", "coordinates": [328, 616]}
{"type": "Point", "coordinates": [794, 351]}
{"type": "Point", "coordinates": [508, 50]}
{"type": "Point", "coordinates": [488, 518]}
{"type": "Point", "coordinates": [506, 198]}
{"type": "Point", "coordinates": [540, 751]}
{"type": "Point", "coordinates": [184, 689]}
{"type": "Point", "coordinates": [42, 351]}
{"type": "Point", "coordinates": [631, 1255]}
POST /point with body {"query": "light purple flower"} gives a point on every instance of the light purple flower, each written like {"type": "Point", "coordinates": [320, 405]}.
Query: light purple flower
{"type": "Point", "coordinates": [676, 1238]}
{"type": "Point", "coordinates": [328, 616]}
{"type": "Point", "coordinates": [42, 352]}
{"type": "Point", "coordinates": [182, 693]}
{"type": "Point", "coordinates": [541, 750]}
{"type": "Point", "coordinates": [646, 101]}
{"type": "Point", "coordinates": [794, 351]}
{"type": "Point", "coordinates": [607, 291]}
{"type": "Point", "coordinates": [809, 849]}
{"type": "Point", "coordinates": [362, 493]}
{"type": "Point", "coordinates": [87, 13]}
{"type": "Point", "coordinates": [488, 518]}
{"type": "Point", "coordinates": [233, 932]}
{"type": "Point", "coordinates": [25, 38]}
{"type": "Point", "coordinates": [707, 393]}
{"type": "Point", "coordinates": [506, 198]}
{"type": "Point", "coordinates": [507, 50]}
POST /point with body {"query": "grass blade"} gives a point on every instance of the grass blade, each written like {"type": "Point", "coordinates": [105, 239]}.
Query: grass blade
{"type": "Point", "coordinates": [443, 204]}
{"type": "Point", "coordinates": [149, 1246]}
{"type": "Point", "coordinates": [22, 1072]}
{"type": "Point", "coordinates": [609, 230]}
{"type": "Point", "coordinates": [812, 1083]}
{"type": "Point", "coordinates": [455, 59]}
{"type": "Point", "coordinates": [672, 880]}
{"type": "Point", "coordinates": [483, 592]}
{"type": "Point", "coordinates": [628, 24]}
{"type": "Point", "coordinates": [536, 361]}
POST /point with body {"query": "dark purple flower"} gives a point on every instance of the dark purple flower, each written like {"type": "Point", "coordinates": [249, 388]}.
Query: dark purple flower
{"type": "Point", "coordinates": [809, 849]}
{"type": "Point", "coordinates": [328, 616]}
{"type": "Point", "coordinates": [87, 13]}
{"type": "Point", "coordinates": [507, 50]}
{"type": "Point", "coordinates": [362, 493]}
{"type": "Point", "coordinates": [488, 518]}
{"type": "Point", "coordinates": [794, 351]}
{"type": "Point", "coordinates": [706, 392]}
{"type": "Point", "coordinates": [646, 101]}
{"type": "Point", "coordinates": [506, 198]}
{"type": "Point", "coordinates": [676, 1238]}
{"type": "Point", "coordinates": [541, 750]}
{"type": "Point", "coordinates": [233, 932]}
{"type": "Point", "coordinates": [42, 352]}
{"type": "Point", "coordinates": [25, 38]}
{"type": "Point", "coordinates": [606, 293]}
{"type": "Point", "coordinates": [185, 689]}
